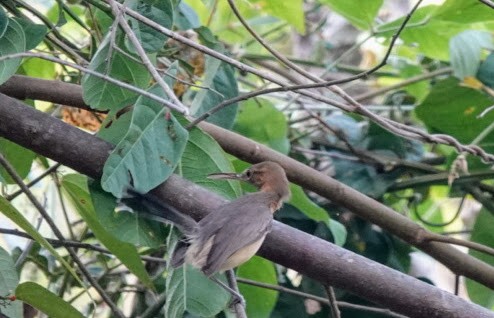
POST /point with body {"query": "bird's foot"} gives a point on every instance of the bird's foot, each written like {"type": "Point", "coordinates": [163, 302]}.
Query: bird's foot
{"type": "Point", "coordinates": [237, 299]}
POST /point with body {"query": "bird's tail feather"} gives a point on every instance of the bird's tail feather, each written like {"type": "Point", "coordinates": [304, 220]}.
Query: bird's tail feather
{"type": "Point", "coordinates": [158, 210]}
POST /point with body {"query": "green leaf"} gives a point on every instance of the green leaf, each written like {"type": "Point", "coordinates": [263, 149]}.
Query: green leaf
{"type": "Point", "coordinates": [300, 200]}
{"type": "Point", "coordinates": [99, 93]}
{"type": "Point", "coordinates": [430, 36]}
{"type": "Point", "coordinates": [76, 187]}
{"type": "Point", "coordinates": [34, 33]}
{"type": "Point", "coordinates": [15, 216]}
{"type": "Point", "coordinates": [465, 51]}
{"type": "Point", "coordinates": [289, 11]}
{"type": "Point", "coordinates": [9, 279]}
{"type": "Point", "coordinates": [338, 231]}
{"type": "Point", "coordinates": [4, 21]}
{"type": "Point", "coordinates": [203, 156]}
{"type": "Point", "coordinates": [260, 301]}
{"type": "Point", "coordinates": [189, 289]}
{"type": "Point", "coordinates": [205, 298]}
{"type": "Point", "coordinates": [482, 233]}
{"type": "Point", "coordinates": [13, 41]}
{"type": "Point", "coordinates": [46, 301]}
{"type": "Point", "coordinates": [486, 71]}
{"type": "Point", "coordinates": [149, 152]}
{"type": "Point", "coordinates": [222, 84]}
{"type": "Point", "coordinates": [452, 109]}
{"type": "Point", "coordinates": [38, 68]}
{"type": "Point", "coordinates": [360, 13]}
{"type": "Point", "coordinates": [314, 212]}
{"type": "Point", "coordinates": [159, 11]}
{"type": "Point", "coordinates": [260, 120]}
{"type": "Point", "coordinates": [185, 17]}
{"type": "Point", "coordinates": [465, 11]}
{"type": "Point", "coordinates": [125, 225]}
{"type": "Point", "coordinates": [19, 157]}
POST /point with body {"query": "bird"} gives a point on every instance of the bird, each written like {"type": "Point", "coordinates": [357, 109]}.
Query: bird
{"type": "Point", "coordinates": [233, 233]}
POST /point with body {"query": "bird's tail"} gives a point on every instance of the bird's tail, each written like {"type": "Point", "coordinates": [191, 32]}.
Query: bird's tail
{"type": "Point", "coordinates": [149, 206]}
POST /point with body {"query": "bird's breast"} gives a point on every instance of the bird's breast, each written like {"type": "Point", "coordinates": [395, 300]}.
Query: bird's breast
{"type": "Point", "coordinates": [242, 255]}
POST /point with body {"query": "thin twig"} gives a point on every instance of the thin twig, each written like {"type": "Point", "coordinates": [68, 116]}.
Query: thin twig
{"type": "Point", "coordinates": [488, 3]}
{"type": "Point", "coordinates": [322, 300]}
{"type": "Point", "coordinates": [86, 246]}
{"type": "Point", "coordinates": [145, 59]}
{"type": "Point", "coordinates": [452, 240]}
{"type": "Point", "coordinates": [335, 311]}
{"type": "Point", "coordinates": [232, 282]}
{"type": "Point", "coordinates": [399, 129]}
{"type": "Point", "coordinates": [48, 171]}
{"type": "Point", "coordinates": [97, 74]}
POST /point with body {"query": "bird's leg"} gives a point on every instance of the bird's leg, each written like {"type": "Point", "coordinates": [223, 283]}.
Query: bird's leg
{"type": "Point", "coordinates": [237, 298]}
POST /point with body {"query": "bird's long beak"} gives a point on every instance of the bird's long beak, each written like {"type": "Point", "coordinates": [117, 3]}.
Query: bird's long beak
{"type": "Point", "coordinates": [226, 175]}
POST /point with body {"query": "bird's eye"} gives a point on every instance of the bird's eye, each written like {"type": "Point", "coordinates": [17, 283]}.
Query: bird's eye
{"type": "Point", "coordinates": [248, 173]}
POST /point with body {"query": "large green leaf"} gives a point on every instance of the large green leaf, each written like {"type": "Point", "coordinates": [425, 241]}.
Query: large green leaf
{"type": "Point", "coordinates": [482, 233]}
{"type": "Point", "coordinates": [260, 120]}
{"type": "Point", "coordinates": [222, 84]}
{"type": "Point", "coordinates": [125, 225]}
{"type": "Point", "coordinates": [185, 17]}
{"type": "Point", "coordinates": [161, 12]}
{"type": "Point", "coordinates": [76, 187]}
{"type": "Point", "coordinates": [465, 11]}
{"type": "Point", "coordinates": [466, 50]}
{"type": "Point", "coordinates": [430, 36]}
{"type": "Point", "coordinates": [360, 13]}
{"type": "Point", "coordinates": [34, 33]}
{"type": "Point", "coordinates": [190, 290]}
{"type": "Point", "coordinates": [453, 109]}
{"type": "Point", "coordinates": [486, 71]}
{"type": "Point", "coordinates": [260, 301]}
{"type": "Point", "coordinates": [13, 41]}
{"type": "Point", "coordinates": [203, 156]}
{"type": "Point", "coordinates": [204, 297]}
{"type": "Point", "coordinates": [20, 158]}
{"type": "Point", "coordinates": [101, 94]}
{"type": "Point", "coordinates": [149, 152]}
{"type": "Point", "coordinates": [4, 21]}
{"type": "Point", "coordinates": [9, 279]}
{"type": "Point", "coordinates": [46, 301]}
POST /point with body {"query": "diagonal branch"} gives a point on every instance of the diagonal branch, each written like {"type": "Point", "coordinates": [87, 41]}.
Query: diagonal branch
{"type": "Point", "coordinates": [365, 207]}
{"type": "Point", "coordinates": [309, 255]}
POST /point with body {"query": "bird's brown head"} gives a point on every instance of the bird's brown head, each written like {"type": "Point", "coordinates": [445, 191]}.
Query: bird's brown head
{"type": "Point", "coordinates": [266, 176]}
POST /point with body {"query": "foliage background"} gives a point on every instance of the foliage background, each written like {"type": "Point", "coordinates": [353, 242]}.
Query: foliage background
{"type": "Point", "coordinates": [438, 77]}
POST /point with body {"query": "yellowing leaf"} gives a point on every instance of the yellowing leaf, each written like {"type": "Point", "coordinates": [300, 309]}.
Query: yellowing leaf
{"type": "Point", "coordinates": [472, 82]}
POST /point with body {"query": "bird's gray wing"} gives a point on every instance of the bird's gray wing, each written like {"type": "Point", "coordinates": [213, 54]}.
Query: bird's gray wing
{"type": "Point", "coordinates": [249, 220]}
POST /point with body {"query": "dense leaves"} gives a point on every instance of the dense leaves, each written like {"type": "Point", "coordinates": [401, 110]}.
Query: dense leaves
{"type": "Point", "coordinates": [438, 79]}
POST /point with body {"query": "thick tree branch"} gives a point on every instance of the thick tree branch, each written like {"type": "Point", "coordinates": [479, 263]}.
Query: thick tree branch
{"type": "Point", "coordinates": [287, 246]}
